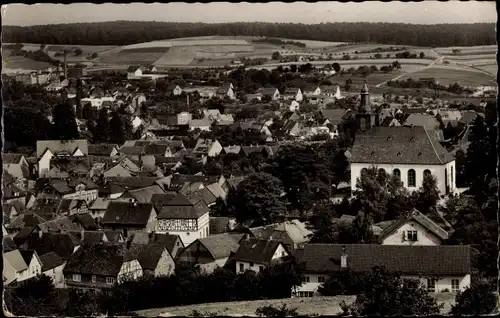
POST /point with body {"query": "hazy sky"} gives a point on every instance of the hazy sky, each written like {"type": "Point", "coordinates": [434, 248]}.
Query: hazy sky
{"type": "Point", "coordinates": [427, 12]}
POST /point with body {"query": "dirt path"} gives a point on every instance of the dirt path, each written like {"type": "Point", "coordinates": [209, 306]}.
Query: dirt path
{"type": "Point", "coordinates": [439, 59]}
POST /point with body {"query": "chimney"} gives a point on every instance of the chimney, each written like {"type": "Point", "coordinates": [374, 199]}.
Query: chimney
{"type": "Point", "coordinates": [343, 257]}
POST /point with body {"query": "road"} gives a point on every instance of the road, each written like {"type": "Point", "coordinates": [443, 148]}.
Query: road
{"type": "Point", "coordinates": [439, 59]}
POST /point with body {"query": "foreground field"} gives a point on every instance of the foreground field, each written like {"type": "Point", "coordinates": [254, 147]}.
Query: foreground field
{"type": "Point", "coordinates": [305, 306]}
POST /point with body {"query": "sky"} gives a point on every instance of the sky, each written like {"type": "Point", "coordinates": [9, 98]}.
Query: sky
{"type": "Point", "coordinates": [427, 12]}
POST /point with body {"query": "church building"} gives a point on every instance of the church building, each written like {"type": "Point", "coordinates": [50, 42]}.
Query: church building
{"type": "Point", "coordinates": [409, 152]}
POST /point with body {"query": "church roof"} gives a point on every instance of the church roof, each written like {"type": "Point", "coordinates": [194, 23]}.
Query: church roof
{"type": "Point", "coordinates": [399, 145]}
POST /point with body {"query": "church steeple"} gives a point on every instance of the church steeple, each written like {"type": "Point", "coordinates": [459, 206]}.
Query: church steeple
{"type": "Point", "coordinates": [365, 118]}
{"type": "Point", "coordinates": [364, 106]}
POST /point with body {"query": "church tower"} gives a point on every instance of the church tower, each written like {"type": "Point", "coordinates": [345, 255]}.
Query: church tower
{"type": "Point", "coordinates": [365, 118]}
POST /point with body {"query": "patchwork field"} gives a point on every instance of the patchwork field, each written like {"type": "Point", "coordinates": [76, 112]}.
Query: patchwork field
{"type": "Point", "coordinates": [490, 68]}
{"type": "Point", "coordinates": [305, 306]}
{"type": "Point", "coordinates": [14, 64]}
{"type": "Point", "coordinates": [447, 75]}
{"type": "Point", "coordinates": [468, 50]}
{"type": "Point", "coordinates": [130, 58]}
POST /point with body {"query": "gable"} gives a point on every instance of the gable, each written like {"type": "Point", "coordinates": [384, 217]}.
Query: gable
{"type": "Point", "coordinates": [117, 171]}
{"type": "Point", "coordinates": [78, 153]}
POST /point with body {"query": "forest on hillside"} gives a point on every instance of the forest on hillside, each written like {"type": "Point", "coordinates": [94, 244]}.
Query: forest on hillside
{"type": "Point", "coordinates": [130, 32]}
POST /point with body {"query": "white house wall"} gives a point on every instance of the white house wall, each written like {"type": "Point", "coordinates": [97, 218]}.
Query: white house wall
{"type": "Point", "coordinates": [444, 283]}
{"type": "Point", "coordinates": [437, 170]}
{"type": "Point", "coordinates": [57, 276]}
{"type": "Point", "coordinates": [424, 237]}
{"type": "Point", "coordinates": [166, 265]}
{"type": "Point", "coordinates": [130, 270]}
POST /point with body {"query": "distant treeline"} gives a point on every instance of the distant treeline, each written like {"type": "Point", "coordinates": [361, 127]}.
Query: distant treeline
{"type": "Point", "coordinates": [280, 42]}
{"type": "Point", "coordinates": [130, 32]}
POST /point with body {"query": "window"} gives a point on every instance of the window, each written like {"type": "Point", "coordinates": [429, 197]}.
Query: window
{"type": "Point", "coordinates": [110, 280]}
{"type": "Point", "coordinates": [283, 254]}
{"type": "Point", "coordinates": [412, 182]}
{"type": "Point", "coordinates": [455, 285]}
{"type": "Point", "coordinates": [427, 173]}
{"type": "Point", "coordinates": [321, 279]}
{"type": "Point", "coordinates": [77, 278]}
{"type": "Point", "coordinates": [306, 279]}
{"type": "Point", "coordinates": [94, 279]}
{"type": "Point", "coordinates": [261, 268]}
{"type": "Point", "coordinates": [251, 264]}
{"type": "Point", "coordinates": [431, 285]}
{"type": "Point", "coordinates": [242, 268]}
{"type": "Point", "coordinates": [305, 294]}
{"type": "Point", "coordinates": [411, 236]}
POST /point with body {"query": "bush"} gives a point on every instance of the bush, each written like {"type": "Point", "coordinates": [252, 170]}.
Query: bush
{"type": "Point", "coordinates": [271, 311]}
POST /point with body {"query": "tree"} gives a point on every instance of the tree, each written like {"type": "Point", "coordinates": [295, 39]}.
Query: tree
{"type": "Point", "coordinates": [388, 294]}
{"type": "Point", "coordinates": [372, 193]}
{"type": "Point", "coordinates": [347, 283]}
{"type": "Point", "coordinates": [116, 129]}
{"type": "Point", "coordinates": [422, 55]}
{"type": "Point", "coordinates": [35, 297]}
{"type": "Point", "coordinates": [24, 126]}
{"type": "Point", "coordinates": [78, 51]}
{"type": "Point", "coordinates": [478, 299]}
{"type": "Point", "coordinates": [427, 194]}
{"type": "Point", "coordinates": [258, 198]}
{"type": "Point", "coordinates": [102, 127]}
{"type": "Point", "coordinates": [278, 280]}
{"type": "Point", "coordinates": [276, 56]}
{"type": "Point", "coordinates": [336, 67]}
{"type": "Point", "coordinates": [64, 125]}
{"type": "Point", "coordinates": [219, 208]}
{"type": "Point", "coordinates": [271, 311]}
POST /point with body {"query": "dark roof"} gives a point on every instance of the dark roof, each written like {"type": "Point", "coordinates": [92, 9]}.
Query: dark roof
{"type": "Point", "coordinates": [399, 145]}
{"type": "Point", "coordinates": [8, 244]}
{"type": "Point", "coordinates": [184, 207]}
{"type": "Point", "coordinates": [166, 240]}
{"type": "Point", "coordinates": [159, 199]}
{"type": "Point", "coordinates": [219, 224]}
{"type": "Point", "coordinates": [222, 245]}
{"type": "Point", "coordinates": [27, 255]}
{"type": "Point", "coordinates": [133, 182]}
{"type": "Point", "coordinates": [50, 260]}
{"type": "Point", "coordinates": [178, 180]}
{"type": "Point", "coordinates": [97, 259]}
{"type": "Point", "coordinates": [207, 196]}
{"type": "Point", "coordinates": [148, 254]}
{"type": "Point", "coordinates": [132, 150]}
{"type": "Point", "coordinates": [113, 236]}
{"type": "Point", "coordinates": [101, 149]}
{"type": "Point", "coordinates": [58, 146]}
{"type": "Point", "coordinates": [409, 260]}
{"type": "Point", "coordinates": [417, 217]}
{"type": "Point", "coordinates": [127, 213]}
{"type": "Point", "coordinates": [335, 116]}
{"type": "Point", "coordinates": [63, 244]}
{"type": "Point", "coordinates": [256, 251]}
{"type": "Point", "coordinates": [11, 158]}
{"type": "Point", "coordinates": [85, 220]}
{"type": "Point", "coordinates": [26, 220]}
{"type": "Point", "coordinates": [155, 149]}
{"type": "Point", "coordinates": [93, 237]}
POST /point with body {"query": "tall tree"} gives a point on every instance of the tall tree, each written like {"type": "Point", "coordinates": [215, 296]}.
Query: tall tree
{"type": "Point", "coordinates": [64, 125]}
{"type": "Point", "coordinates": [116, 129]}
{"type": "Point", "coordinates": [478, 299]}
{"type": "Point", "coordinates": [258, 198]}
{"type": "Point", "coordinates": [102, 127]}
{"type": "Point", "coordinates": [388, 294]}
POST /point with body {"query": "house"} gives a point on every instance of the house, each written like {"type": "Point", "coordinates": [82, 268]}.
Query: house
{"type": "Point", "coordinates": [142, 195]}
{"type": "Point", "coordinates": [292, 105]}
{"type": "Point", "coordinates": [45, 240]}
{"type": "Point", "coordinates": [172, 243]}
{"type": "Point", "coordinates": [154, 259]}
{"type": "Point", "coordinates": [272, 93]}
{"type": "Point", "coordinates": [20, 265]}
{"type": "Point", "coordinates": [49, 150]}
{"type": "Point", "coordinates": [183, 118]}
{"type": "Point", "coordinates": [103, 150]}
{"type": "Point", "coordinates": [413, 229]}
{"type": "Point", "coordinates": [129, 217]}
{"type": "Point", "coordinates": [98, 266]}
{"type": "Point", "coordinates": [135, 72]}
{"type": "Point", "coordinates": [407, 152]}
{"type": "Point", "coordinates": [293, 93]}
{"type": "Point", "coordinates": [71, 206]}
{"type": "Point", "coordinates": [425, 120]}
{"type": "Point", "coordinates": [16, 165]}
{"type": "Point", "coordinates": [98, 208]}
{"type": "Point", "coordinates": [312, 91]}
{"type": "Point", "coordinates": [84, 221]}
{"type": "Point", "coordinates": [211, 252]}
{"type": "Point", "coordinates": [77, 189]}
{"type": "Point", "coordinates": [52, 266]}
{"type": "Point", "coordinates": [186, 216]}
{"type": "Point", "coordinates": [174, 89]}
{"type": "Point", "coordinates": [437, 267]}
{"type": "Point", "coordinates": [137, 99]}
{"type": "Point", "coordinates": [224, 120]}
{"type": "Point", "coordinates": [255, 254]}
{"type": "Point", "coordinates": [226, 91]}
{"type": "Point", "coordinates": [201, 124]}
{"type": "Point", "coordinates": [293, 234]}
{"type": "Point", "coordinates": [207, 148]}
